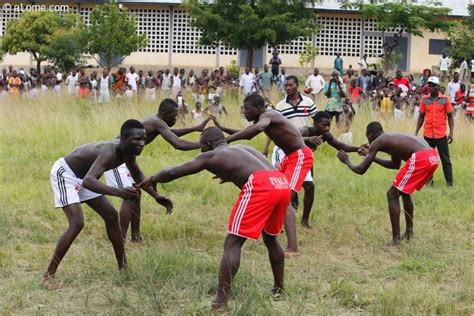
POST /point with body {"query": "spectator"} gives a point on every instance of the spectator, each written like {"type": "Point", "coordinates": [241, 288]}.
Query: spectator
{"type": "Point", "coordinates": [444, 66]}
{"type": "Point", "coordinates": [266, 80]}
{"type": "Point", "coordinates": [316, 83]}
{"type": "Point", "coordinates": [132, 79]}
{"type": "Point", "coordinates": [463, 71]}
{"type": "Point", "coordinates": [453, 87]}
{"type": "Point", "coordinates": [335, 91]}
{"type": "Point", "coordinates": [103, 84]}
{"type": "Point", "coordinates": [435, 110]}
{"type": "Point", "coordinates": [363, 62]}
{"type": "Point", "coordinates": [247, 82]}
{"type": "Point", "coordinates": [339, 64]}
{"type": "Point", "coordinates": [166, 82]}
{"type": "Point", "coordinates": [365, 81]}
{"type": "Point", "coordinates": [150, 87]}
{"type": "Point", "coordinates": [275, 61]}
{"type": "Point", "coordinates": [401, 82]}
{"type": "Point", "coordinates": [14, 84]}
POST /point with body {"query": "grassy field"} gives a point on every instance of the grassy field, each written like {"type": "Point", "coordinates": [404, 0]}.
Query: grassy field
{"type": "Point", "coordinates": [345, 267]}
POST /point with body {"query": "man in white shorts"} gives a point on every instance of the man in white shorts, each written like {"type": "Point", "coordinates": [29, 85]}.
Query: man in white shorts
{"type": "Point", "coordinates": [154, 126]}
{"type": "Point", "coordinates": [74, 180]}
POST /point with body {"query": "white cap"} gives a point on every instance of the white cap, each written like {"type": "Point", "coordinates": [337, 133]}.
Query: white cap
{"type": "Point", "coordinates": [433, 79]}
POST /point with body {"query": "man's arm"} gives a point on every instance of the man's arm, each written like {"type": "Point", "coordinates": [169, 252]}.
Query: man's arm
{"type": "Point", "coordinates": [138, 177]}
{"type": "Point", "coordinates": [267, 147]}
{"type": "Point", "coordinates": [331, 140]}
{"type": "Point", "coordinates": [393, 163]}
{"type": "Point", "coordinates": [419, 122]}
{"type": "Point", "coordinates": [365, 164]}
{"type": "Point", "coordinates": [169, 174]}
{"type": "Point", "coordinates": [451, 127]}
{"type": "Point", "coordinates": [251, 131]}
{"type": "Point", "coordinates": [175, 141]}
{"type": "Point", "coordinates": [227, 130]}
{"type": "Point", "coordinates": [91, 180]}
{"type": "Point", "coordinates": [183, 131]}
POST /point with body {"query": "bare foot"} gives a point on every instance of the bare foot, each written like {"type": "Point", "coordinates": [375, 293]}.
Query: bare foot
{"type": "Point", "coordinates": [306, 225]}
{"type": "Point", "coordinates": [136, 239]}
{"type": "Point", "coordinates": [51, 282]}
{"type": "Point", "coordinates": [217, 306]}
{"type": "Point", "coordinates": [393, 242]}
{"type": "Point", "coordinates": [291, 253]}
{"type": "Point", "coordinates": [407, 236]}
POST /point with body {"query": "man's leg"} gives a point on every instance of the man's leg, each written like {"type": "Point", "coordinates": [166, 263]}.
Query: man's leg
{"type": "Point", "coordinates": [230, 263]}
{"type": "Point", "coordinates": [308, 200]}
{"type": "Point", "coordinates": [130, 212]}
{"type": "Point", "coordinates": [432, 142]}
{"type": "Point", "coordinates": [290, 228]}
{"type": "Point", "coordinates": [277, 261]}
{"type": "Point", "coordinates": [443, 151]}
{"type": "Point", "coordinates": [75, 220]}
{"type": "Point", "coordinates": [408, 207]}
{"type": "Point", "coordinates": [103, 207]}
{"type": "Point", "coordinates": [394, 211]}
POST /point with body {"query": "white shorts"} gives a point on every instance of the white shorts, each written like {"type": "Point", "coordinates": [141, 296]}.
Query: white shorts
{"type": "Point", "coordinates": [67, 187]}
{"type": "Point", "coordinates": [119, 177]}
{"type": "Point", "coordinates": [277, 157]}
{"type": "Point", "coordinates": [150, 94]}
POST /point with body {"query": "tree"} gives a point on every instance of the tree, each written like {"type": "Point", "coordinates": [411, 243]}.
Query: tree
{"type": "Point", "coordinates": [461, 39]}
{"type": "Point", "coordinates": [251, 24]}
{"type": "Point", "coordinates": [403, 16]}
{"type": "Point", "coordinates": [66, 47]}
{"type": "Point", "coordinates": [34, 32]}
{"type": "Point", "coordinates": [112, 33]}
{"type": "Point", "coordinates": [307, 56]}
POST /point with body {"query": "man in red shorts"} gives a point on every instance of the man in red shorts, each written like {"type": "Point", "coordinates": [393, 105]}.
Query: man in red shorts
{"type": "Point", "coordinates": [259, 209]}
{"type": "Point", "coordinates": [421, 163]}
{"type": "Point", "coordinates": [298, 157]}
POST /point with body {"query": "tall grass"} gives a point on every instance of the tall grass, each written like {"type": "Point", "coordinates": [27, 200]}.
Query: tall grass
{"type": "Point", "coordinates": [345, 267]}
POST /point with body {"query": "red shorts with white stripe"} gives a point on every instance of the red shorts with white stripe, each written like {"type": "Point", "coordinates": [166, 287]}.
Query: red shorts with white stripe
{"type": "Point", "coordinates": [417, 171]}
{"type": "Point", "coordinates": [295, 167]}
{"type": "Point", "coordinates": [261, 205]}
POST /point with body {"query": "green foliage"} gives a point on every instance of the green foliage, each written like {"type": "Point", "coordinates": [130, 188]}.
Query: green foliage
{"type": "Point", "coordinates": [35, 32]}
{"type": "Point", "coordinates": [308, 55]}
{"type": "Point", "coordinates": [112, 33]}
{"type": "Point", "coordinates": [66, 47]}
{"type": "Point", "coordinates": [461, 38]}
{"type": "Point", "coordinates": [251, 24]}
{"type": "Point", "coordinates": [233, 69]}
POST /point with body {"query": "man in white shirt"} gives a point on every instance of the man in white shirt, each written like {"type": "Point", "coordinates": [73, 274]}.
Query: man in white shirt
{"type": "Point", "coordinates": [103, 84]}
{"type": "Point", "coordinates": [247, 82]}
{"type": "Point", "coordinates": [132, 78]}
{"type": "Point", "coordinates": [59, 80]}
{"type": "Point", "coordinates": [71, 82]}
{"type": "Point", "coordinates": [443, 66]}
{"type": "Point", "coordinates": [453, 87]}
{"type": "Point", "coordinates": [316, 83]}
{"type": "Point", "coordinates": [463, 71]}
{"type": "Point", "coordinates": [362, 63]}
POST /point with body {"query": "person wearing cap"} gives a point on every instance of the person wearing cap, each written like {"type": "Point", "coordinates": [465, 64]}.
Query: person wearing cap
{"type": "Point", "coordinates": [435, 109]}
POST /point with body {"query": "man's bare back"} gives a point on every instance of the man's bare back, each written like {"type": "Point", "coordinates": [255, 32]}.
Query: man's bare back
{"type": "Point", "coordinates": [399, 145]}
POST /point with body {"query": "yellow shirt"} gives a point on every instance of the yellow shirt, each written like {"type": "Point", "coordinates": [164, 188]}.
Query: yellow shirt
{"type": "Point", "coordinates": [386, 105]}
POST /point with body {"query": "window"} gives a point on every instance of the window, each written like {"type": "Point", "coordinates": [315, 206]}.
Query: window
{"type": "Point", "coordinates": [437, 47]}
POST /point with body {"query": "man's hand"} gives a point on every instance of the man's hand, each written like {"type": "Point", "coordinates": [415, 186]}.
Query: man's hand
{"type": "Point", "coordinates": [315, 141]}
{"type": "Point", "coordinates": [146, 183]}
{"type": "Point", "coordinates": [216, 123]}
{"type": "Point", "coordinates": [450, 138]}
{"type": "Point", "coordinates": [363, 150]}
{"type": "Point", "coordinates": [200, 127]}
{"type": "Point", "coordinates": [163, 200]}
{"type": "Point", "coordinates": [129, 193]}
{"type": "Point", "coordinates": [343, 157]}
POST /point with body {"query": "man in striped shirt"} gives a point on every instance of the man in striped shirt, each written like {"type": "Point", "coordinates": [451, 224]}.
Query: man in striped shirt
{"type": "Point", "coordinates": [299, 110]}
{"type": "Point", "coordinates": [421, 163]}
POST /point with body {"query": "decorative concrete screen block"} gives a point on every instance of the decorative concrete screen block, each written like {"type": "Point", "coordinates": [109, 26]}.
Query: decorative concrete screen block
{"type": "Point", "coordinates": [185, 38]}
{"type": "Point", "coordinates": [293, 48]}
{"type": "Point", "coordinates": [85, 14]}
{"type": "Point", "coordinates": [339, 35]}
{"type": "Point", "coordinates": [154, 23]}
{"type": "Point", "coordinates": [227, 50]}
{"type": "Point", "coordinates": [373, 46]}
{"type": "Point", "coordinates": [5, 17]}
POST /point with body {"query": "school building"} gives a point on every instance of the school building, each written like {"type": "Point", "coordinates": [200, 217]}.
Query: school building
{"type": "Point", "coordinates": [173, 43]}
